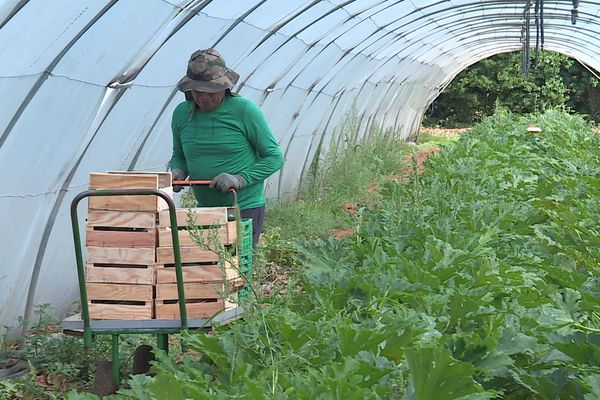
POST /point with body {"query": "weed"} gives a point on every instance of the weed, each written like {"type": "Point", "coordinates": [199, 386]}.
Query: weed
{"type": "Point", "coordinates": [348, 179]}
{"type": "Point", "coordinates": [278, 250]}
{"type": "Point", "coordinates": [187, 199]}
{"type": "Point", "coordinates": [57, 362]}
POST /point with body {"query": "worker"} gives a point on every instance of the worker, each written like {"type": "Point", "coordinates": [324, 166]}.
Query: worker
{"type": "Point", "coordinates": [223, 137]}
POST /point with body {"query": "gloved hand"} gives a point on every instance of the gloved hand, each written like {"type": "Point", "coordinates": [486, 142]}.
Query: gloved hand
{"type": "Point", "coordinates": [223, 182]}
{"type": "Point", "coordinates": [178, 175]}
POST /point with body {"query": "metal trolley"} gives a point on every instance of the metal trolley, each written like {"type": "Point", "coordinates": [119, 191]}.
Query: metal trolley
{"type": "Point", "coordinates": [82, 325]}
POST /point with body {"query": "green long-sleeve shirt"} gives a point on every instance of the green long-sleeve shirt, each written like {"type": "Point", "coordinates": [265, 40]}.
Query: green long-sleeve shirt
{"type": "Point", "coordinates": [233, 138]}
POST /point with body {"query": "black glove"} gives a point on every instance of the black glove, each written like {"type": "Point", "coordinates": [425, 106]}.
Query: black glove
{"type": "Point", "coordinates": [223, 182]}
{"type": "Point", "coordinates": [178, 175]}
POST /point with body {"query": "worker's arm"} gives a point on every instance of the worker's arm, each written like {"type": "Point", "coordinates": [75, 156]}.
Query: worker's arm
{"type": "Point", "coordinates": [178, 162]}
{"type": "Point", "coordinates": [261, 137]}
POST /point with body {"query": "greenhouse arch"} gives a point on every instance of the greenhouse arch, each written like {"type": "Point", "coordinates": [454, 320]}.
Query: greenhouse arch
{"type": "Point", "coordinates": [90, 86]}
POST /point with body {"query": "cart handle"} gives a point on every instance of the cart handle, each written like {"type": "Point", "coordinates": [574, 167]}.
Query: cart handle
{"type": "Point", "coordinates": [87, 331]}
{"type": "Point", "coordinates": [186, 182]}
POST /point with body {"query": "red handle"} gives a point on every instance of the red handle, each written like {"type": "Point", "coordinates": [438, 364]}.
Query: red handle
{"type": "Point", "coordinates": [190, 183]}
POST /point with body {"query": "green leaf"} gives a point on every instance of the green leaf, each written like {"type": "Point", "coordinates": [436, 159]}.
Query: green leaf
{"type": "Point", "coordinates": [256, 391]}
{"type": "Point", "coordinates": [73, 395]}
{"type": "Point", "coordinates": [512, 342]}
{"type": "Point", "coordinates": [435, 375]}
{"type": "Point", "coordinates": [592, 383]}
{"type": "Point", "coordinates": [354, 339]}
{"type": "Point", "coordinates": [495, 362]}
{"type": "Point", "coordinates": [211, 346]}
{"type": "Point", "coordinates": [138, 388]}
{"type": "Point", "coordinates": [568, 301]}
{"type": "Point", "coordinates": [166, 387]}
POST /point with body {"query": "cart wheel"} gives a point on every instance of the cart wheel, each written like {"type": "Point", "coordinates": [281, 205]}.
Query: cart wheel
{"type": "Point", "coordinates": [141, 359]}
{"type": "Point", "coordinates": [103, 380]}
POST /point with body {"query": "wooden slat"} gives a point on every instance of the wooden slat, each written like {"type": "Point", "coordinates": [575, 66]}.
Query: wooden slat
{"type": "Point", "coordinates": [123, 181]}
{"type": "Point", "coordinates": [112, 255]}
{"type": "Point", "coordinates": [185, 239]}
{"type": "Point", "coordinates": [202, 216]}
{"type": "Point", "coordinates": [97, 274]}
{"type": "Point", "coordinates": [198, 290]}
{"type": "Point", "coordinates": [122, 239]}
{"type": "Point", "coordinates": [118, 292]}
{"type": "Point", "coordinates": [124, 219]}
{"type": "Point", "coordinates": [231, 232]}
{"type": "Point", "coordinates": [204, 273]}
{"type": "Point", "coordinates": [121, 311]}
{"type": "Point", "coordinates": [209, 290]}
{"type": "Point", "coordinates": [165, 255]}
{"type": "Point", "coordinates": [162, 205]}
{"type": "Point", "coordinates": [193, 310]}
{"type": "Point", "coordinates": [127, 181]}
{"type": "Point", "coordinates": [123, 203]}
{"type": "Point", "coordinates": [164, 178]}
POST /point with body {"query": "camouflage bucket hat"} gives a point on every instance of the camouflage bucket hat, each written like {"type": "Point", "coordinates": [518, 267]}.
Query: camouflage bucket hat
{"type": "Point", "coordinates": [207, 72]}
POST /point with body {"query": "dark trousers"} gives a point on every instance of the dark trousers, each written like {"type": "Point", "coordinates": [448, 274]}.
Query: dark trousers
{"type": "Point", "coordinates": [258, 216]}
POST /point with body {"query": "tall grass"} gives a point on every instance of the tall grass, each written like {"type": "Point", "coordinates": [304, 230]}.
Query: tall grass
{"type": "Point", "coordinates": [343, 179]}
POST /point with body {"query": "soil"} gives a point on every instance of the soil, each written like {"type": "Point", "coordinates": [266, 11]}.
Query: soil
{"type": "Point", "coordinates": [442, 132]}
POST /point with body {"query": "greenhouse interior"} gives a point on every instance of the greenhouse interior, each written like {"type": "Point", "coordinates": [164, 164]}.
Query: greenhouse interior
{"type": "Point", "coordinates": [401, 256]}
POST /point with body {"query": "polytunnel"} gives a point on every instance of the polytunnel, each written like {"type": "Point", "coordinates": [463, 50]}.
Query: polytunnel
{"type": "Point", "coordinates": [90, 86]}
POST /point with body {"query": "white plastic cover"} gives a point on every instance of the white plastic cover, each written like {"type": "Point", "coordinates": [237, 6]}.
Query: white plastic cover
{"type": "Point", "coordinates": [90, 86]}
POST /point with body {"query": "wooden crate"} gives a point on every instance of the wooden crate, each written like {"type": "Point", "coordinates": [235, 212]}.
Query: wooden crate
{"type": "Point", "coordinates": [121, 237]}
{"type": "Point", "coordinates": [121, 241]}
{"type": "Point", "coordinates": [121, 229]}
{"type": "Point", "coordinates": [203, 300]}
{"type": "Point", "coordinates": [121, 219]}
{"type": "Point", "coordinates": [165, 273]}
{"type": "Point", "coordinates": [201, 216]}
{"type": "Point", "coordinates": [119, 273]}
{"type": "Point", "coordinates": [211, 222]}
{"type": "Point", "coordinates": [189, 254]}
{"type": "Point", "coordinates": [203, 309]}
{"type": "Point", "coordinates": [109, 235]}
{"type": "Point", "coordinates": [130, 180]}
{"type": "Point", "coordinates": [225, 235]}
{"type": "Point", "coordinates": [120, 301]}
{"type": "Point", "coordinates": [121, 255]}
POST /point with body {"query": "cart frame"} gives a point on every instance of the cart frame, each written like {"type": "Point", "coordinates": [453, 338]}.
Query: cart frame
{"type": "Point", "coordinates": [161, 328]}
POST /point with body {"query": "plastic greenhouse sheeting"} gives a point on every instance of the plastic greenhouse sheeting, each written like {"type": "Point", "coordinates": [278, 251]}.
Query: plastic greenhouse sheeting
{"type": "Point", "coordinates": [90, 86]}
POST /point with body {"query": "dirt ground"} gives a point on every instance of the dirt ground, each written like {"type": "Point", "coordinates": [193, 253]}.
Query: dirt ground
{"type": "Point", "coordinates": [441, 131]}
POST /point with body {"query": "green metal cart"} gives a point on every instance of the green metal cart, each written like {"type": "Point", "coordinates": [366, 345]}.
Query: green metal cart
{"type": "Point", "coordinates": [82, 325]}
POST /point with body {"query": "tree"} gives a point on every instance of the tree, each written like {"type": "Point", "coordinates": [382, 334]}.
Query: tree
{"type": "Point", "coordinates": [556, 81]}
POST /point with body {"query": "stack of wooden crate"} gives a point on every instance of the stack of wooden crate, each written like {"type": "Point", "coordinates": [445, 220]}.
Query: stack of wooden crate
{"type": "Point", "coordinates": [121, 245]}
{"type": "Point", "coordinates": [210, 270]}
{"type": "Point", "coordinates": [130, 270]}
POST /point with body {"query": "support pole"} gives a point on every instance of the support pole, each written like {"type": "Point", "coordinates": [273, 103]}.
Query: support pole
{"type": "Point", "coordinates": [116, 373]}
{"type": "Point", "coordinates": [162, 342]}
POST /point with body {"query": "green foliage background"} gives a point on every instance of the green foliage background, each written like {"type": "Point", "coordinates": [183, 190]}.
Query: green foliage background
{"type": "Point", "coordinates": [479, 279]}
{"type": "Point", "coordinates": [556, 82]}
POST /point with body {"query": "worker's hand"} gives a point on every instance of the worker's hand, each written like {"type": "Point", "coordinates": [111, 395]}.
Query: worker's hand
{"type": "Point", "coordinates": [178, 175]}
{"type": "Point", "coordinates": [223, 182]}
